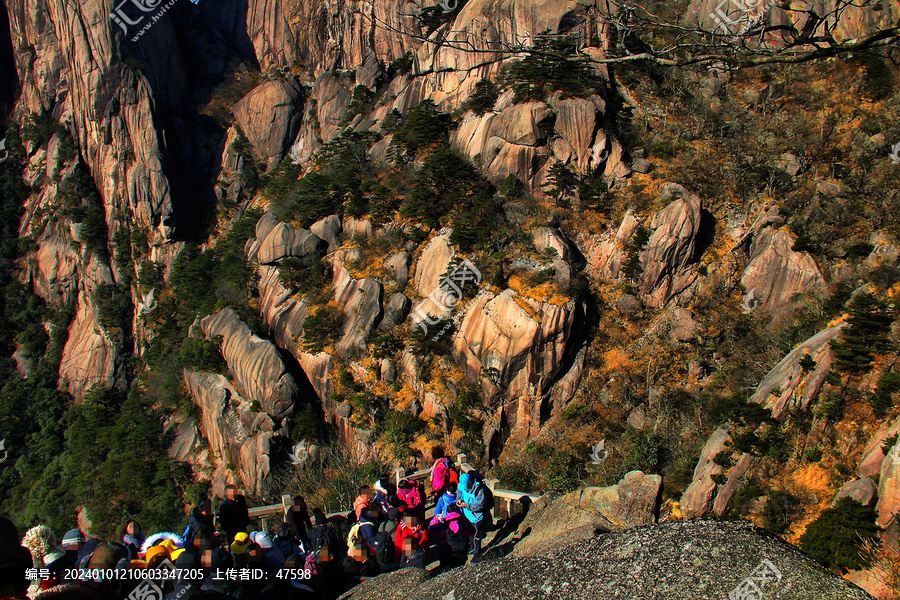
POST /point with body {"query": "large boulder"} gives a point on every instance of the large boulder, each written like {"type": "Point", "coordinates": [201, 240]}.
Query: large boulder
{"type": "Point", "coordinates": [554, 522]}
{"type": "Point", "coordinates": [669, 259]}
{"type": "Point", "coordinates": [283, 241]}
{"type": "Point", "coordinates": [697, 499]}
{"type": "Point", "coordinates": [329, 229]}
{"type": "Point", "coordinates": [259, 373]}
{"type": "Point", "coordinates": [526, 347]}
{"type": "Point", "coordinates": [862, 490]}
{"type": "Point", "coordinates": [787, 386]}
{"type": "Point", "coordinates": [361, 300]}
{"type": "Point", "coordinates": [236, 434]}
{"type": "Point", "coordinates": [432, 264]}
{"type": "Point", "coordinates": [395, 311]}
{"type": "Point", "coordinates": [776, 273]}
{"type": "Point", "coordinates": [269, 115]}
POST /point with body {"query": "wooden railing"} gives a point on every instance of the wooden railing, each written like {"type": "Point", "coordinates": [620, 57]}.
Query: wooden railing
{"type": "Point", "coordinates": [509, 497]}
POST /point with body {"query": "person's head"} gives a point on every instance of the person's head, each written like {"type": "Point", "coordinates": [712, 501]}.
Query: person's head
{"type": "Point", "coordinates": [410, 520]}
{"type": "Point", "coordinates": [230, 491]}
{"type": "Point", "coordinates": [464, 481]}
{"type": "Point", "coordinates": [204, 504]}
{"type": "Point", "coordinates": [410, 546]}
{"type": "Point", "coordinates": [381, 485]}
{"type": "Point", "coordinates": [359, 552]}
{"type": "Point", "coordinates": [199, 541]}
{"type": "Point", "coordinates": [319, 517]}
{"type": "Point", "coordinates": [365, 491]}
{"type": "Point", "coordinates": [240, 543]}
{"type": "Point", "coordinates": [323, 554]}
{"type": "Point", "coordinates": [14, 560]}
{"type": "Point", "coordinates": [437, 453]}
{"type": "Point", "coordinates": [285, 531]}
{"type": "Point", "coordinates": [73, 541]}
{"type": "Point", "coordinates": [394, 514]}
{"type": "Point", "coordinates": [131, 528]}
{"type": "Point", "coordinates": [451, 487]}
{"type": "Point", "coordinates": [298, 504]}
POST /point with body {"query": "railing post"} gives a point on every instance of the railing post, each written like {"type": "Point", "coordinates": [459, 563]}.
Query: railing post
{"type": "Point", "coordinates": [460, 459]}
{"type": "Point", "coordinates": [401, 474]}
{"type": "Point", "coordinates": [286, 502]}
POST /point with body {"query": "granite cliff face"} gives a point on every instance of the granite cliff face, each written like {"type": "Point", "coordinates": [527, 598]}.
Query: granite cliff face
{"type": "Point", "coordinates": [141, 156]}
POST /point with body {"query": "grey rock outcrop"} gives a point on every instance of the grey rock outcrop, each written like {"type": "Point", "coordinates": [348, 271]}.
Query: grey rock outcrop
{"type": "Point", "coordinates": [395, 311]}
{"type": "Point", "coordinates": [361, 301]}
{"type": "Point", "coordinates": [776, 273]}
{"type": "Point", "coordinates": [787, 386]}
{"type": "Point", "coordinates": [269, 117]}
{"type": "Point", "coordinates": [862, 490]}
{"type": "Point", "coordinates": [236, 434]}
{"type": "Point", "coordinates": [669, 259]}
{"type": "Point", "coordinates": [556, 521]}
{"type": "Point", "coordinates": [259, 373]}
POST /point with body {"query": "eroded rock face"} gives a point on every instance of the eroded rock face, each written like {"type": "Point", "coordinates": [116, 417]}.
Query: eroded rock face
{"type": "Point", "coordinates": [269, 117]}
{"type": "Point", "coordinates": [329, 229]}
{"type": "Point", "coordinates": [670, 256]}
{"type": "Point", "coordinates": [432, 264]}
{"type": "Point", "coordinates": [889, 487]}
{"type": "Point", "coordinates": [551, 240]}
{"type": "Point", "coordinates": [526, 348]}
{"type": "Point", "coordinates": [90, 356]}
{"type": "Point", "coordinates": [787, 386]}
{"type": "Point", "coordinates": [259, 373]}
{"type": "Point", "coordinates": [236, 434]}
{"type": "Point", "coordinates": [361, 300]}
{"type": "Point", "coordinates": [283, 241]}
{"type": "Point", "coordinates": [776, 273]}
{"type": "Point", "coordinates": [863, 491]}
{"type": "Point", "coordinates": [697, 499]}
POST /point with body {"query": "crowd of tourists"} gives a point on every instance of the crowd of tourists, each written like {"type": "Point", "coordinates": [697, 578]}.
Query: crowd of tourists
{"type": "Point", "coordinates": [308, 555]}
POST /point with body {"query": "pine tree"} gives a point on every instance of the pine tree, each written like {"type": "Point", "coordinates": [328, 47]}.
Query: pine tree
{"type": "Point", "coordinates": [867, 335]}
{"type": "Point", "coordinates": [835, 538]}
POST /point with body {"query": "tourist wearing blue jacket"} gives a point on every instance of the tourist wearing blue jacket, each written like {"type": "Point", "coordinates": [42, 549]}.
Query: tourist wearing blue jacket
{"type": "Point", "coordinates": [471, 498]}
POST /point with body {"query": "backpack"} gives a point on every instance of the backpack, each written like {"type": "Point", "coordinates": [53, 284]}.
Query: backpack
{"type": "Point", "coordinates": [412, 497]}
{"type": "Point", "coordinates": [324, 536]}
{"type": "Point", "coordinates": [353, 537]}
{"type": "Point", "coordinates": [384, 548]}
{"type": "Point", "coordinates": [454, 472]}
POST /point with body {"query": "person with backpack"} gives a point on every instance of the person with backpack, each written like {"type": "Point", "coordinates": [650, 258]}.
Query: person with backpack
{"type": "Point", "coordinates": [413, 554]}
{"type": "Point", "coordinates": [412, 494]}
{"type": "Point", "coordinates": [477, 502]}
{"type": "Point", "coordinates": [442, 473]}
{"type": "Point", "coordinates": [233, 513]}
{"type": "Point", "coordinates": [286, 542]}
{"type": "Point", "coordinates": [323, 535]}
{"type": "Point", "coordinates": [384, 541]}
{"type": "Point", "coordinates": [200, 520]}
{"type": "Point", "coordinates": [297, 516]}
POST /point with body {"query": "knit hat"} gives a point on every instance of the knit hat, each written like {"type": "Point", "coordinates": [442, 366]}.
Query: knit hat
{"type": "Point", "coordinates": [239, 545]}
{"type": "Point", "coordinates": [73, 536]}
{"type": "Point", "coordinates": [155, 556]}
{"type": "Point", "coordinates": [262, 538]}
{"type": "Point", "coordinates": [157, 538]}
